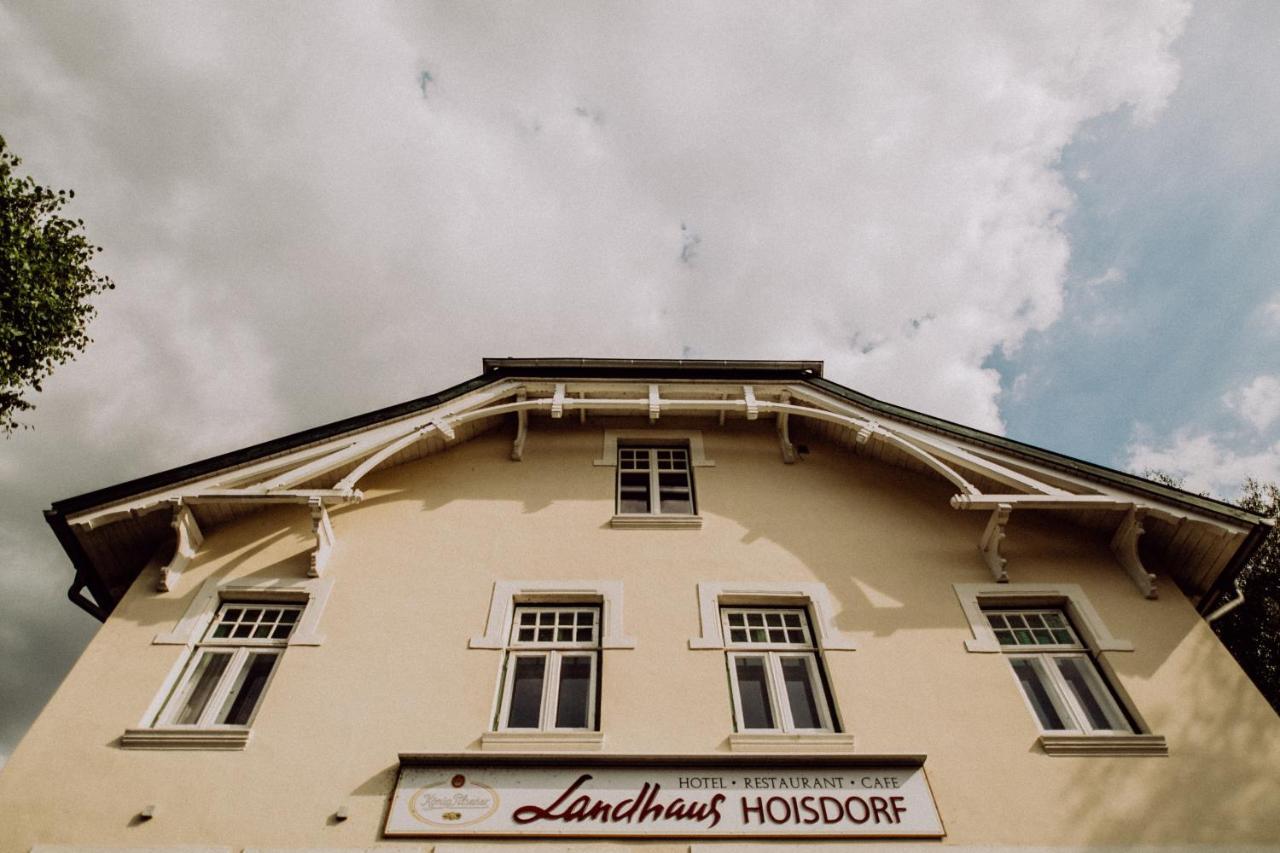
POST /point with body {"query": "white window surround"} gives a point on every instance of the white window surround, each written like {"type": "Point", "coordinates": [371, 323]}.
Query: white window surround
{"type": "Point", "coordinates": [814, 596]}
{"type": "Point", "coordinates": [697, 454]}
{"type": "Point", "coordinates": [1069, 596]}
{"type": "Point", "coordinates": [507, 594]}
{"type": "Point", "coordinates": [313, 592]}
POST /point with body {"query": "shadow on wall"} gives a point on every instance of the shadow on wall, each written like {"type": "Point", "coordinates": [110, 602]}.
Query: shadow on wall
{"type": "Point", "coordinates": [1220, 774]}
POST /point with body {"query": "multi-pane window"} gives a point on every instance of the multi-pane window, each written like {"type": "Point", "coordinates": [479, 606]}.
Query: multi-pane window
{"type": "Point", "coordinates": [654, 481]}
{"type": "Point", "coordinates": [552, 669]}
{"type": "Point", "coordinates": [775, 676]}
{"type": "Point", "coordinates": [1057, 673]}
{"type": "Point", "coordinates": [225, 678]}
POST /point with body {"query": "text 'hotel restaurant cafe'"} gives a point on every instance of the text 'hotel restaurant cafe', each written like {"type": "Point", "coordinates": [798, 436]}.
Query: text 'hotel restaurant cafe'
{"type": "Point", "coordinates": [581, 604]}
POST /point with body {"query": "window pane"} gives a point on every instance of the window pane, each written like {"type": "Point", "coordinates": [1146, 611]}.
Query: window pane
{"type": "Point", "coordinates": [1085, 690]}
{"type": "Point", "coordinates": [800, 694]}
{"type": "Point", "coordinates": [753, 691]}
{"type": "Point", "coordinates": [1033, 684]}
{"type": "Point", "coordinates": [526, 693]}
{"type": "Point", "coordinates": [575, 692]}
{"type": "Point", "coordinates": [247, 690]}
{"type": "Point", "coordinates": [200, 686]}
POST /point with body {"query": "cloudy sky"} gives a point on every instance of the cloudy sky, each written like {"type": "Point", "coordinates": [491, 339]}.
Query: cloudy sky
{"type": "Point", "coordinates": [1056, 221]}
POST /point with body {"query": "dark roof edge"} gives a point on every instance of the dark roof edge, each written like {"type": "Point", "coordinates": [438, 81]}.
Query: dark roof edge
{"type": "Point", "coordinates": [633, 368]}
{"type": "Point", "coordinates": [1052, 459]}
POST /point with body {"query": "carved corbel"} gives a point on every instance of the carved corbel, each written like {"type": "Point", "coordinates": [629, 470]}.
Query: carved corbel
{"type": "Point", "coordinates": [189, 538]}
{"type": "Point", "coordinates": [655, 403]}
{"type": "Point", "coordinates": [1124, 544]}
{"type": "Point", "coordinates": [557, 401]}
{"type": "Point", "coordinates": [753, 405]}
{"type": "Point", "coordinates": [991, 539]}
{"type": "Point", "coordinates": [522, 430]}
{"type": "Point", "coordinates": [323, 530]}
{"type": "Point", "coordinates": [444, 428]}
{"type": "Point", "coordinates": [784, 434]}
{"type": "Point", "coordinates": [864, 434]}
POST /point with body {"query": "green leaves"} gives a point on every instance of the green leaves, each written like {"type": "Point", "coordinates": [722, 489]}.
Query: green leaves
{"type": "Point", "coordinates": [46, 283]}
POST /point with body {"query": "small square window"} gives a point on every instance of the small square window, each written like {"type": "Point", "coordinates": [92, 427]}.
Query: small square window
{"type": "Point", "coordinates": [654, 481]}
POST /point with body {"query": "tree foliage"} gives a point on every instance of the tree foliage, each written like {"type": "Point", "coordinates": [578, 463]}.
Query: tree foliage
{"type": "Point", "coordinates": [46, 282]}
{"type": "Point", "coordinates": [1252, 631]}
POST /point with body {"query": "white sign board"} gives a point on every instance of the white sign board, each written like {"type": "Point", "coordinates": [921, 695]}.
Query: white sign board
{"type": "Point", "coordinates": [605, 800]}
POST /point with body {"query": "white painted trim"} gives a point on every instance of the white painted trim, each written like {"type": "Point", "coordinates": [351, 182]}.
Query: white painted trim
{"type": "Point", "coordinates": [786, 742]}
{"type": "Point", "coordinates": [1104, 744]}
{"type": "Point", "coordinates": [185, 738]}
{"type": "Point", "coordinates": [507, 594]}
{"type": "Point", "coordinates": [314, 592]}
{"type": "Point", "coordinates": [530, 741]}
{"type": "Point", "coordinates": [814, 596]}
{"type": "Point", "coordinates": [653, 521]}
{"type": "Point", "coordinates": [1068, 595]}
{"type": "Point", "coordinates": [697, 453]}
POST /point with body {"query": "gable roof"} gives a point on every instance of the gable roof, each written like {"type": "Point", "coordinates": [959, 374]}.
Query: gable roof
{"type": "Point", "coordinates": [1210, 538]}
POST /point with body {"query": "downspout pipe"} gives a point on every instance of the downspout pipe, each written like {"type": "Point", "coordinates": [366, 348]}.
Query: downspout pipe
{"type": "Point", "coordinates": [1226, 608]}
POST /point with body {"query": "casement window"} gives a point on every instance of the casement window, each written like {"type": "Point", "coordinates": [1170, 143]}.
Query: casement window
{"type": "Point", "coordinates": [775, 674]}
{"type": "Point", "coordinates": [552, 673]}
{"type": "Point", "coordinates": [1057, 672]}
{"type": "Point", "coordinates": [229, 669]}
{"type": "Point", "coordinates": [655, 481]}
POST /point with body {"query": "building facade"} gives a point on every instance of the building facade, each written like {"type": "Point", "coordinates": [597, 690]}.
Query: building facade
{"type": "Point", "coordinates": [680, 605]}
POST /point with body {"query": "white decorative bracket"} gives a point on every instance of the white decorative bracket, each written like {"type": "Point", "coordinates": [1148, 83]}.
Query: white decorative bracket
{"type": "Point", "coordinates": [784, 433]}
{"type": "Point", "coordinates": [522, 430]}
{"type": "Point", "coordinates": [324, 537]}
{"type": "Point", "coordinates": [1124, 544]}
{"type": "Point", "coordinates": [444, 428]}
{"type": "Point", "coordinates": [557, 401]}
{"type": "Point", "coordinates": [189, 539]}
{"type": "Point", "coordinates": [991, 539]}
{"type": "Point", "coordinates": [655, 403]}
{"type": "Point", "coordinates": [864, 434]}
{"type": "Point", "coordinates": [753, 406]}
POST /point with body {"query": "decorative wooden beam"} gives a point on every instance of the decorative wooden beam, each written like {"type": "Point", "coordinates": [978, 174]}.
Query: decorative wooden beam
{"type": "Point", "coordinates": [753, 405]}
{"type": "Point", "coordinates": [323, 530]}
{"type": "Point", "coordinates": [980, 501]}
{"type": "Point", "coordinates": [262, 496]}
{"type": "Point", "coordinates": [724, 409]}
{"type": "Point", "coordinates": [1124, 544]}
{"type": "Point", "coordinates": [557, 401]}
{"type": "Point", "coordinates": [522, 429]}
{"type": "Point", "coordinates": [989, 545]}
{"type": "Point", "coordinates": [655, 403]}
{"type": "Point", "coordinates": [189, 538]}
{"type": "Point", "coordinates": [784, 434]}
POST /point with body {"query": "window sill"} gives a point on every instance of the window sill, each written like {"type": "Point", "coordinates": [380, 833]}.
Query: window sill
{"type": "Point", "coordinates": [232, 739]}
{"type": "Point", "coordinates": [542, 741]}
{"type": "Point", "coordinates": [1104, 744]}
{"type": "Point", "coordinates": [783, 742]}
{"type": "Point", "coordinates": [644, 521]}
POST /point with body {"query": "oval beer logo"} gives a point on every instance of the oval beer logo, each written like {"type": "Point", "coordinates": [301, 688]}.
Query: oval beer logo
{"type": "Point", "coordinates": [453, 802]}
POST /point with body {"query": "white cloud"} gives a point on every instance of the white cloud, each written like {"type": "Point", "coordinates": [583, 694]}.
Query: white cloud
{"type": "Point", "coordinates": [1258, 403]}
{"type": "Point", "coordinates": [1208, 463]}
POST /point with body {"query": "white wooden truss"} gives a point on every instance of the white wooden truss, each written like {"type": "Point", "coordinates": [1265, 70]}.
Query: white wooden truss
{"type": "Point", "coordinates": [343, 462]}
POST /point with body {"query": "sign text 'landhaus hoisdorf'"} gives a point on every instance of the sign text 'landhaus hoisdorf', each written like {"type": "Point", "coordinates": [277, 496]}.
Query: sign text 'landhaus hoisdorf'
{"type": "Point", "coordinates": [601, 800]}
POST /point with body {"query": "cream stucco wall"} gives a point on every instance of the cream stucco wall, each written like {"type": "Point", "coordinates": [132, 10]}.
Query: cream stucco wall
{"type": "Point", "coordinates": [413, 571]}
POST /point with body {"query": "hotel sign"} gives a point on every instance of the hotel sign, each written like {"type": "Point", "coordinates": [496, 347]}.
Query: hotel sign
{"type": "Point", "coordinates": [567, 797]}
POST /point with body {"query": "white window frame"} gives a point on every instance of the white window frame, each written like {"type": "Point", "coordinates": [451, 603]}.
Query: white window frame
{"type": "Point", "coordinates": [1097, 642]}
{"type": "Point", "coordinates": [773, 653]}
{"type": "Point", "coordinates": [240, 650]}
{"type": "Point", "coordinates": [1061, 696]}
{"type": "Point", "coordinates": [653, 490]}
{"type": "Point", "coordinates": [553, 652]}
{"type": "Point", "coordinates": [507, 595]}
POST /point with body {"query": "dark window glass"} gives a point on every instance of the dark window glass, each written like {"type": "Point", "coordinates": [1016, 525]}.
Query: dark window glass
{"type": "Point", "coordinates": [753, 690]}
{"type": "Point", "coordinates": [243, 698]}
{"type": "Point", "coordinates": [526, 693]}
{"type": "Point", "coordinates": [575, 692]}
{"type": "Point", "coordinates": [800, 695]}
{"type": "Point", "coordinates": [1029, 677]}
